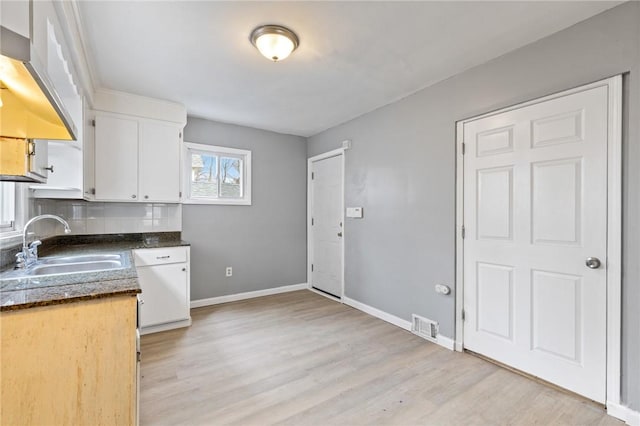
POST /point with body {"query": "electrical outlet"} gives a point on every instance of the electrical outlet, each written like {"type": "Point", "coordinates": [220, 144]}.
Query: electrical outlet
{"type": "Point", "coordinates": [228, 271]}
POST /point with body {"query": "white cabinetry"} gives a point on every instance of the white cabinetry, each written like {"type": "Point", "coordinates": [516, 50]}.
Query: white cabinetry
{"type": "Point", "coordinates": [159, 160]}
{"type": "Point", "coordinates": [163, 274]}
{"type": "Point", "coordinates": [15, 16]}
{"type": "Point", "coordinates": [116, 166]}
{"type": "Point", "coordinates": [136, 159]}
{"type": "Point", "coordinates": [70, 165]}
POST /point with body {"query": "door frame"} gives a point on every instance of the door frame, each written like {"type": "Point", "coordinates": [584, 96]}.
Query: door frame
{"type": "Point", "coordinates": [614, 225]}
{"type": "Point", "coordinates": [333, 153]}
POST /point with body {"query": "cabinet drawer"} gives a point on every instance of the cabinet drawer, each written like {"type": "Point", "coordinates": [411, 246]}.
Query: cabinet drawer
{"type": "Point", "coordinates": [160, 256]}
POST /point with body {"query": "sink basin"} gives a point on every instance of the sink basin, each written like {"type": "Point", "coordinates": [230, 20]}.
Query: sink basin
{"type": "Point", "coordinates": [85, 258]}
{"type": "Point", "coordinates": [70, 268]}
{"type": "Point", "coordinates": [70, 265]}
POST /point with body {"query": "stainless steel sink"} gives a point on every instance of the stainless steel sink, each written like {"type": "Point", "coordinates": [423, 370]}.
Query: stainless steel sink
{"type": "Point", "coordinates": [70, 268]}
{"type": "Point", "coordinates": [85, 258]}
{"type": "Point", "coordinates": [70, 265]}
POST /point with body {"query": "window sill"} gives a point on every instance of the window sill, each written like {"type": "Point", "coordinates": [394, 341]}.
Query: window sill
{"type": "Point", "coordinates": [10, 239]}
{"type": "Point", "coordinates": [218, 202]}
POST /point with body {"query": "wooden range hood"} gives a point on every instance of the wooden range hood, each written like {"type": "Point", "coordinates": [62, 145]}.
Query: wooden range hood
{"type": "Point", "coordinates": [29, 108]}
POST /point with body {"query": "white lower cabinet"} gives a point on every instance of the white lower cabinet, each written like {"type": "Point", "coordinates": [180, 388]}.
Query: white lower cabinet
{"type": "Point", "coordinates": [163, 274]}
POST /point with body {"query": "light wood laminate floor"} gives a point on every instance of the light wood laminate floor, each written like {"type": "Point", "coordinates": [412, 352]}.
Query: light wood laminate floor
{"type": "Point", "coordinates": [301, 359]}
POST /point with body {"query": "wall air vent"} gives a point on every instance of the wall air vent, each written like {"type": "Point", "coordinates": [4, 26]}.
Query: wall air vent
{"type": "Point", "coordinates": [425, 328]}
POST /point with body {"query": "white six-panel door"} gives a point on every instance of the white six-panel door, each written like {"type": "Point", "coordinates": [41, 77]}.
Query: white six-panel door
{"type": "Point", "coordinates": [326, 228]}
{"type": "Point", "coordinates": [535, 206]}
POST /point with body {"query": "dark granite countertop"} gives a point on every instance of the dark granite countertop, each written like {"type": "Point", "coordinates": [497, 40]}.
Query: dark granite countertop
{"type": "Point", "coordinates": [24, 293]}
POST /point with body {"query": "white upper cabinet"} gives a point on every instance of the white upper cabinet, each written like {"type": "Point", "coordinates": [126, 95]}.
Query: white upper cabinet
{"type": "Point", "coordinates": [14, 15]}
{"type": "Point", "coordinates": [70, 165]}
{"type": "Point", "coordinates": [137, 148]}
{"type": "Point", "coordinates": [136, 159]}
{"type": "Point", "coordinates": [88, 156]}
{"type": "Point", "coordinates": [159, 172]}
{"type": "Point", "coordinates": [116, 158]}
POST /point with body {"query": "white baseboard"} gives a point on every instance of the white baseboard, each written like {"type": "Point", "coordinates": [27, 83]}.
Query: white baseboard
{"type": "Point", "coordinates": [392, 319]}
{"type": "Point", "coordinates": [399, 322]}
{"type": "Point", "coordinates": [247, 295]}
{"type": "Point", "coordinates": [623, 413]}
{"type": "Point", "coordinates": [459, 347]}
{"type": "Point", "coordinates": [445, 342]}
{"type": "Point", "coordinates": [165, 327]}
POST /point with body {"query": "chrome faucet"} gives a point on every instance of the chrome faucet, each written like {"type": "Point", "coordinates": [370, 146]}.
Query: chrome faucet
{"type": "Point", "coordinates": [29, 254]}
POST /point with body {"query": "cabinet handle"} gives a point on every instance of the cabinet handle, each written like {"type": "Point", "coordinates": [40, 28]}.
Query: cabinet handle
{"type": "Point", "coordinates": [162, 257]}
{"type": "Point", "coordinates": [50, 168]}
{"type": "Point", "coordinates": [133, 196]}
{"type": "Point", "coordinates": [146, 197]}
{"type": "Point", "coordinates": [184, 269]}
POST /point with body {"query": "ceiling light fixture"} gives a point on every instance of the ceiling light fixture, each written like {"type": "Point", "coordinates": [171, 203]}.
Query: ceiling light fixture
{"type": "Point", "coordinates": [274, 42]}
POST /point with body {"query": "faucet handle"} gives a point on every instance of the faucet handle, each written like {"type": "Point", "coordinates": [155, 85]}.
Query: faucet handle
{"type": "Point", "coordinates": [20, 260]}
{"type": "Point", "coordinates": [33, 250]}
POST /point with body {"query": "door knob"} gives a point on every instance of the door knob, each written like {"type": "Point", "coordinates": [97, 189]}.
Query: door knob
{"type": "Point", "coordinates": [339, 234]}
{"type": "Point", "coordinates": [592, 262]}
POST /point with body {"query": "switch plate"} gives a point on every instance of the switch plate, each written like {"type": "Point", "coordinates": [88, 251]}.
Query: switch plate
{"type": "Point", "coordinates": [354, 212]}
{"type": "Point", "coordinates": [229, 271]}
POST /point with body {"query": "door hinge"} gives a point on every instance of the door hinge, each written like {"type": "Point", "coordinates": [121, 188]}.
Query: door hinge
{"type": "Point", "coordinates": [312, 221]}
{"type": "Point", "coordinates": [463, 232]}
{"type": "Point", "coordinates": [180, 194]}
{"type": "Point", "coordinates": [313, 175]}
{"type": "Point", "coordinates": [93, 123]}
{"type": "Point", "coordinates": [312, 267]}
{"type": "Point", "coordinates": [463, 315]}
{"type": "Point", "coordinates": [464, 146]}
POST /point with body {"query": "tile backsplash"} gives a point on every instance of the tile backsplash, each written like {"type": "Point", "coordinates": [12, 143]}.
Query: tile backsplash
{"type": "Point", "coordinates": [105, 218]}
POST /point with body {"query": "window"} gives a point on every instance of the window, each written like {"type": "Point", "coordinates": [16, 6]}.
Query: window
{"type": "Point", "coordinates": [13, 212]}
{"type": "Point", "coordinates": [216, 175]}
{"type": "Point", "coordinates": [7, 207]}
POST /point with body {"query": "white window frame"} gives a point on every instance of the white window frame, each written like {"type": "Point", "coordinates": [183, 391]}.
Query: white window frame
{"type": "Point", "coordinates": [10, 236]}
{"type": "Point", "coordinates": [189, 147]}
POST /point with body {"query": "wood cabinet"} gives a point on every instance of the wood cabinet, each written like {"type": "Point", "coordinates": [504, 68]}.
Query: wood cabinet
{"type": "Point", "coordinates": [72, 363]}
{"type": "Point", "coordinates": [136, 159]}
{"type": "Point", "coordinates": [163, 274]}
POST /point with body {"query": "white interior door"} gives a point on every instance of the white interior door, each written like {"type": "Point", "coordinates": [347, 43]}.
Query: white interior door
{"type": "Point", "coordinates": [535, 206]}
{"type": "Point", "coordinates": [326, 229]}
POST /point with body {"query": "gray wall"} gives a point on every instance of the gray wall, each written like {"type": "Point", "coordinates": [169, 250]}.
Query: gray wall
{"type": "Point", "coordinates": [401, 169]}
{"type": "Point", "coordinates": [265, 242]}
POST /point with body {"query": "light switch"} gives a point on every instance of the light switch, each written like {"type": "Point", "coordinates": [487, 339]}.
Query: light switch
{"type": "Point", "coordinates": [354, 212]}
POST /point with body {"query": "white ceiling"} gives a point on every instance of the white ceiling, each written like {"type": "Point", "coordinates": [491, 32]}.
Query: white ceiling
{"type": "Point", "coordinates": [353, 57]}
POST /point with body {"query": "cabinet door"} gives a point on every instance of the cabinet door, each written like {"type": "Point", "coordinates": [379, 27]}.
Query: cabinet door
{"type": "Point", "coordinates": [89, 157]}
{"type": "Point", "coordinates": [116, 165]}
{"type": "Point", "coordinates": [40, 160]}
{"type": "Point", "coordinates": [159, 162]}
{"type": "Point", "coordinates": [165, 295]}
